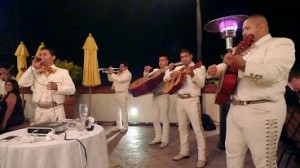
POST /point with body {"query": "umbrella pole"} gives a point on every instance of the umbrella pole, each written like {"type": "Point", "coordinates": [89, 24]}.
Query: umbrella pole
{"type": "Point", "coordinates": [90, 99]}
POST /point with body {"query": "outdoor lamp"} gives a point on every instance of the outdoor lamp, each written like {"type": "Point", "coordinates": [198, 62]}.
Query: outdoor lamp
{"type": "Point", "coordinates": [227, 27]}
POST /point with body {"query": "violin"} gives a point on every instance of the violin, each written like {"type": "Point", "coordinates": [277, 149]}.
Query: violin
{"type": "Point", "coordinates": [6, 76]}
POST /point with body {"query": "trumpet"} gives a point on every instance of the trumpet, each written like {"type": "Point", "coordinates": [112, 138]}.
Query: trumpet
{"type": "Point", "coordinates": [105, 70]}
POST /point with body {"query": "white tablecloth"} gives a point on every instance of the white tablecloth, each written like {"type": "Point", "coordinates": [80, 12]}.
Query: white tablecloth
{"type": "Point", "coordinates": [56, 153]}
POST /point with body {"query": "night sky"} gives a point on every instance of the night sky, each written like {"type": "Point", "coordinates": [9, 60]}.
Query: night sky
{"type": "Point", "coordinates": [137, 31]}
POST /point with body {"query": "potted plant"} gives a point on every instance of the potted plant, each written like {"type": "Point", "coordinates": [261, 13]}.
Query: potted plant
{"type": "Point", "coordinates": [75, 72]}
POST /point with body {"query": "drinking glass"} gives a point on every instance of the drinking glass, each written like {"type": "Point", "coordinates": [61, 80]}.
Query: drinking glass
{"type": "Point", "coordinates": [83, 113]}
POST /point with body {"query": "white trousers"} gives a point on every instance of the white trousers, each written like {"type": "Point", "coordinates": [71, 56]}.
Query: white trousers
{"type": "Point", "coordinates": [50, 115]}
{"type": "Point", "coordinates": [160, 111]}
{"type": "Point", "coordinates": [189, 109]}
{"type": "Point", "coordinates": [122, 116]}
{"type": "Point", "coordinates": [257, 127]}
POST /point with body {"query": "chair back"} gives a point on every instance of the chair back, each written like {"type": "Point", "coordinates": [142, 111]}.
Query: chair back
{"type": "Point", "coordinates": [293, 125]}
{"type": "Point", "coordinates": [25, 124]}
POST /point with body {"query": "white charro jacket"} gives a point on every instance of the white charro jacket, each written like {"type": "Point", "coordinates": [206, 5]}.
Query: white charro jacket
{"type": "Point", "coordinates": [38, 82]}
{"type": "Point", "coordinates": [268, 63]}
{"type": "Point", "coordinates": [121, 81]}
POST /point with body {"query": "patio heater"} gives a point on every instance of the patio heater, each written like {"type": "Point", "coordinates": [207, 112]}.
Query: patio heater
{"type": "Point", "coordinates": [227, 27]}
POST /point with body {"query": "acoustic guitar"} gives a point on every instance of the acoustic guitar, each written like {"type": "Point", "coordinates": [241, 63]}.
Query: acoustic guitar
{"type": "Point", "coordinates": [228, 79]}
{"type": "Point", "coordinates": [175, 84]}
{"type": "Point", "coordinates": [139, 87]}
{"type": "Point", "coordinates": [150, 84]}
{"type": "Point", "coordinates": [147, 84]}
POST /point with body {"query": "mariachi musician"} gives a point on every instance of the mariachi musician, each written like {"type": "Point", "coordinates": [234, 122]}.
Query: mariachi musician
{"type": "Point", "coordinates": [258, 109]}
{"type": "Point", "coordinates": [4, 76]}
{"type": "Point", "coordinates": [121, 82]}
{"type": "Point", "coordinates": [160, 106]}
{"type": "Point", "coordinates": [188, 104]}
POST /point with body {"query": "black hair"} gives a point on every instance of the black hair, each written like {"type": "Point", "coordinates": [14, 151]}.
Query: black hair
{"type": "Point", "coordinates": [51, 50]}
{"type": "Point", "coordinates": [4, 65]}
{"type": "Point", "coordinates": [15, 85]}
{"type": "Point", "coordinates": [186, 50]}
{"type": "Point", "coordinates": [164, 56]}
{"type": "Point", "coordinates": [294, 73]}
{"type": "Point", "coordinates": [124, 63]}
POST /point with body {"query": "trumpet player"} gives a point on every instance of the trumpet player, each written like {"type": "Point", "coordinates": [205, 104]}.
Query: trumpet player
{"type": "Point", "coordinates": [49, 85]}
{"type": "Point", "coordinates": [121, 82]}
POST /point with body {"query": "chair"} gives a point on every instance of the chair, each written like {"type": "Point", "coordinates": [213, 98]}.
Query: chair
{"type": "Point", "coordinates": [21, 126]}
{"type": "Point", "coordinates": [291, 146]}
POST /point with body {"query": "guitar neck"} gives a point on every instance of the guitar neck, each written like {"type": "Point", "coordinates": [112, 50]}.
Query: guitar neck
{"type": "Point", "coordinates": [197, 65]}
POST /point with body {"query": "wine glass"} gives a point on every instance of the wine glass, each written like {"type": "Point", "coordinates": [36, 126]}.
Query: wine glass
{"type": "Point", "coordinates": [83, 112]}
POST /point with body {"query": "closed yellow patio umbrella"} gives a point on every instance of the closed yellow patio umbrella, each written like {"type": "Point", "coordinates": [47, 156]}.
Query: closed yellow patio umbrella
{"type": "Point", "coordinates": [39, 49]}
{"type": "Point", "coordinates": [91, 76]}
{"type": "Point", "coordinates": [21, 54]}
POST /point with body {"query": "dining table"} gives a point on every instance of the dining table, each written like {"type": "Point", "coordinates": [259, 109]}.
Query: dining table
{"type": "Point", "coordinates": [72, 148]}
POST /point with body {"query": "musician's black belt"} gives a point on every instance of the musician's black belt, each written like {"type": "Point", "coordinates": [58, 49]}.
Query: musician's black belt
{"type": "Point", "coordinates": [244, 103]}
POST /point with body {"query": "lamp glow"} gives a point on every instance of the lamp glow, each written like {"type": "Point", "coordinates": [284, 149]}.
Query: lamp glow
{"type": "Point", "coordinates": [226, 25]}
{"type": "Point", "coordinates": [133, 111]}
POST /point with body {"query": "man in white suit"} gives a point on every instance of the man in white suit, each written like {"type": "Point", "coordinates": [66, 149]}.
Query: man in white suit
{"type": "Point", "coordinates": [160, 106]}
{"type": "Point", "coordinates": [49, 85]}
{"type": "Point", "coordinates": [188, 105]}
{"type": "Point", "coordinates": [258, 108]}
{"type": "Point", "coordinates": [121, 82]}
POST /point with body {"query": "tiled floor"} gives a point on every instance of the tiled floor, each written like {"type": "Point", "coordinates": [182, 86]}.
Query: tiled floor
{"type": "Point", "coordinates": [131, 150]}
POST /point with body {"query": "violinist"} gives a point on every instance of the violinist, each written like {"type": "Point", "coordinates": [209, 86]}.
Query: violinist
{"type": "Point", "coordinates": [4, 76]}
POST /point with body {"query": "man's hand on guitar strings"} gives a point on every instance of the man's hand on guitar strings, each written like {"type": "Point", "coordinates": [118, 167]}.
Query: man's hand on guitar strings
{"type": "Point", "coordinates": [236, 61]}
{"type": "Point", "coordinates": [174, 74]}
